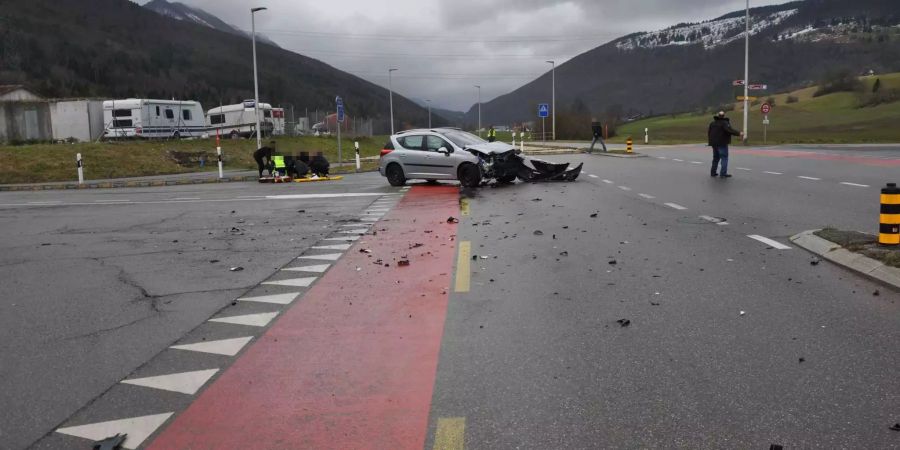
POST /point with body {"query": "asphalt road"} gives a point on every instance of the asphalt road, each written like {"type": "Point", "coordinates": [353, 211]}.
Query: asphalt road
{"type": "Point", "coordinates": [731, 343]}
{"type": "Point", "coordinates": [95, 283]}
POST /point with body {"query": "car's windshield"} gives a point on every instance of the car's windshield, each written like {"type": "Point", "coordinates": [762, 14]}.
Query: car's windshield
{"type": "Point", "coordinates": [462, 139]}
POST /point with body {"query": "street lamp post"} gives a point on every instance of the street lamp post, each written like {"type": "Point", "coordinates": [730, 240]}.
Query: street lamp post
{"type": "Point", "coordinates": [553, 72]}
{"type": "Point", "coordinates": [391, 89]}
{"type": "Point", "coordinates": [253, 12]}
{"type": "Point", "coordinates": [747, 73]}
{"type": "Point", "coordinates": [479, 109]}
{"type": "Point", "coordinates": [429, 112]}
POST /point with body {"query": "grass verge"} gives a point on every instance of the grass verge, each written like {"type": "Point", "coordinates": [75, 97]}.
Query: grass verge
{"type": "Point", "coordinates": [862, 243]}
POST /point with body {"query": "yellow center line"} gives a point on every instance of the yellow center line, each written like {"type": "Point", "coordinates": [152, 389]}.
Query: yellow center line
{"type": "Point", "coordinates": [462, 266]}
{"type": "Point", "coordinates": [450, 434]}
{"type": "Point", "coordinates": [464, 208]}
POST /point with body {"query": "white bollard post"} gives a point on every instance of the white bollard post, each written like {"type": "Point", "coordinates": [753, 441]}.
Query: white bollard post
{"type": "Point", "coordinates": [219, 154]}
{"type": "Point", "coordinates": [522, 141]}
{"type": "Point", "coordinates": [358, 164]}
{"type": "Point", "coordinates": [80, 164]}
{"type": "Point", "coordinates": [514, 138]}
{"type": "Point", "coordinates": [646, 135]}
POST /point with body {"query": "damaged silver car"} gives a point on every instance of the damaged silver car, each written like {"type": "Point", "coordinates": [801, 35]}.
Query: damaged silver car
{"type": "Point", "coordinates": [453, 154]}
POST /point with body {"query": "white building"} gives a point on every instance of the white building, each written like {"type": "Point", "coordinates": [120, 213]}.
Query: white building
{"type": "Point", "coordinates": [79, 120]}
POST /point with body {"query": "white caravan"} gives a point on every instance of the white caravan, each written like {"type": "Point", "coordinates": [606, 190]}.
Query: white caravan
{"type": "Point", "coordinates": [145, 118]}
{"type": "Point", "coordinates": [239, 120]}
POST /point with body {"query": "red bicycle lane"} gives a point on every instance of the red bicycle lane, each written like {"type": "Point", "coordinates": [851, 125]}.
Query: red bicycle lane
{"type": "Point", "coordinates": [352, 363]}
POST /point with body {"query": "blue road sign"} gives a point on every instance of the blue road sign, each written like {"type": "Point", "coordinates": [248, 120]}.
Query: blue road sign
{"type": "Point", "coordinates": [543, 110]}
{"type": "Point", "coordinates": [340, 113]}
{"type": "Point", "coordinates": [339, 101]}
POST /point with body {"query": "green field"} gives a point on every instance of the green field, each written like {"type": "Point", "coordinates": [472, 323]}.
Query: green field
{"type": "Point", "coordinates": [56, 162]}
{"type": "Point", "coordinates": [833, 118]}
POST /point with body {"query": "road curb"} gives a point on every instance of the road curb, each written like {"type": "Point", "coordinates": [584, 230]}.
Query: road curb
{"type": "Point", "coordinates": [133, 183]}
{"type": "Point", "coordinates": [618, 155]}
{"type": "Point", "coordinates": [856, 262]}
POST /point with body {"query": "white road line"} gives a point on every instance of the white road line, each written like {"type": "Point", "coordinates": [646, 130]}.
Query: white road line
{"type": "Point", "coordinates": [773, 173]}
{"type": "Point", "coordinates": [696, 162]}
{"type": "Point", "coordinates": [714, 220]}
{"type": "Point", "coordinates": [625, 188]}
{"type": "Point", "coordinates": [332, 247]}
{"type": "Point", "coordinates": [345, 238]}
{"type": "Point", "coordinates": [809, 178]}
{"type": "Point", "coordinates": [187, 198]}
{"type": "Point", "coordinates": [661, 157]}
{"type": "Point", "coordinates": [45, 203]}
{"type": "Point", "coordinates": [593, 176]}
{"type": "Point", "coordinates": [675, 206]}
{"type": "Point", "coordinates": [769, 242]}
{"type": "Point", "coordinates": [378, 210]}
{"type": "Point", "coordinates": [137, 429]}
{"type": "Point", "coordinates": [184, 382]}
{"type": "Point", "coordinates": [252, 196]}
{"type": "Point", "coordinates": [744, 168]}
{"type": "Point", "coordinates": [296, 282]}
{"type": "Point", "coordinates": [111, 201]}
{"type": "Point", "coordinates": [676, 159]}
{"type": "Point", "coordinates": [250, 320]}
{"type": "Point", "coordinates": [277, 299]}
{"type": "Point", "coordinates": [854, 184]}
{"type": "Point", "coordinates": [608, 182]}
{"type": "Point", "coordinates": [311, 196]}
{"type": "Point", "coordinates": [355, 224]}
{"type": "Point", "coordinates": [226, 347]}
{"type": "Point", "coordinates": [647, 196]}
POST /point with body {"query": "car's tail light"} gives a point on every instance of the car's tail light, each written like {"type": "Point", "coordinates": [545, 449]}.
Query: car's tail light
{"type": "Point", "coordinates": [385, 151]}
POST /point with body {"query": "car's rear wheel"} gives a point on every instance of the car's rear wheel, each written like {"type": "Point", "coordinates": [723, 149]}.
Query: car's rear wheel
{"type": "Point", "coordinates": [394, 174]}
{"type": "Point", "coordinates": [469, 175]}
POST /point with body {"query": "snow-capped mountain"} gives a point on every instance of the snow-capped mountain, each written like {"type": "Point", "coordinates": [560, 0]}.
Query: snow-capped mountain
{"type": "Point", "coordinates": [180, 11]}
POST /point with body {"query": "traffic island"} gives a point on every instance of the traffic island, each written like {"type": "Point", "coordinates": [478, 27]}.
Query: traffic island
{"type": "Point", "coordinates": [856, 251]}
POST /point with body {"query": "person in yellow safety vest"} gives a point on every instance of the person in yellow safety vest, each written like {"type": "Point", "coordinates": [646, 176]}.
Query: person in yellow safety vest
{"type": "Point", "coordinates": [492, 134]}
{"type": "Point", "coordinates": [278, 160]}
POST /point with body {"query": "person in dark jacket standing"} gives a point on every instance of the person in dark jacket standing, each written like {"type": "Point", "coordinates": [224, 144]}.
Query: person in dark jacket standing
{"type": "Point", "coordinates": [720, 133]}
{"type": "Point", "coordinates": [597, 130]}
{"type": "Point", "coordinates": [264, 153]}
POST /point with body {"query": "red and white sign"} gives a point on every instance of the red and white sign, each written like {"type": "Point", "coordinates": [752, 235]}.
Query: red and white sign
{"type": "Point", "coordinates": [758, 87]}
{"type": "Point", "coordinates": [765, 108]}
{"type": "Point", "coordinates": [738, 83]}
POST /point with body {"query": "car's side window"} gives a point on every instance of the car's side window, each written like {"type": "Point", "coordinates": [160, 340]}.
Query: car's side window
{"type": "Point", "coordinates": [412, 142]}
{"type": "Point", "coordinates": [433, 143]}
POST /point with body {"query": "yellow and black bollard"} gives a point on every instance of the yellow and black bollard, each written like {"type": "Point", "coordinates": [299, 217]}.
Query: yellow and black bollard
{"type": "Point", "coordinates": [890, 215]}
{"type": "Point", "coordinates": [629, 145]}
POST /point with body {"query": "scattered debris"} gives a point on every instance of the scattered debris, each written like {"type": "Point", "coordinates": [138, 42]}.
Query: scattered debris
{"type": "Point", "coordinates": [403, 263]}
{"type": "Point", "coordinates": [776, 447]}
{"type": "Point", "coordinates": [613, 262]}
{"type": "Point", "coordinates": [896, 427]}
{"type": "Point", "coordinates": [452, 219]}
{"type": "Point", "coordinates": [743, 313]}
{"type": "Point", "coordinates": [876, 293]}
{"type": "Point", "coordinates": [365, 250]}
{"type": "Point", "coordinates": [416, 245]}
{"type": "Point", "coordinates": [236, 269]}
{"type": "Point", "coordinates": [110, 443]}
{"type": "Point", "coordinates": [301, 211]}
{"type": "Point", "coordinates": [564, 254]}
{"type": "Point", "coordinates": [536, 200]}
{"type": "Point", "coordinates": [594, 215]}
{"type": "Point", "coordinates": [538, 233]}
{"type": "Point", "coordinates": [802, 360]}
{"type": "Point", "coordinates": [815, 262]}
{"type": "Point", "coordinates": [655, 304]}
{"type": "Point", "coordinates": [213, 261]}
{"type": "Point", "coordinates": [624, 322]}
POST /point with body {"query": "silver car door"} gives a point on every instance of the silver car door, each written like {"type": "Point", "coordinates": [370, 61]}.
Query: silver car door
{"type": "Point", "coordinates": [440, 165]}
{"type": "Point", "coordinates": [413, 157]}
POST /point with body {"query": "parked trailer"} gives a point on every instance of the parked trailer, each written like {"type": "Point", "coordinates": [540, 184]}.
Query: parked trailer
{"type": "Point", "coordinates": [147, 118]}
{"type": "Point", "coordinates": [239, 120]}
{"type": "Point", "coordinates": [278, 121]}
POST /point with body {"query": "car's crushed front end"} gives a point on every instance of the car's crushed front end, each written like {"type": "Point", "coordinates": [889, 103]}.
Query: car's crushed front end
{"type": "Point", "coordinates": [504, 163]}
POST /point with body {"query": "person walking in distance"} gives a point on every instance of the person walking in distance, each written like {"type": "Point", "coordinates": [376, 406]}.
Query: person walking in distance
{"type": "Point", "coordinates": [597, 130]}
{"type": "Point", "coordinates": [720, 133]}
{"type": "Point", "coordinates": [264, 153]}
{"type": "Point", "coordinates": [492, 134]}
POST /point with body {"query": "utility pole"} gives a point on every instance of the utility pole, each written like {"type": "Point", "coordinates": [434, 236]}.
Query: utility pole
{"type": "Point", "coordinates": [429, 112]}
{"type": "Point", "coordinates": [391, 89]}
{"type": "Point", "coordinates": [553, 63]}
{"type": "Point", "coordinates": [253, 12]}
{"type": "Point", "coordinates": [747, 74]}
{"type": "Point", "coordinates": [479, 109]}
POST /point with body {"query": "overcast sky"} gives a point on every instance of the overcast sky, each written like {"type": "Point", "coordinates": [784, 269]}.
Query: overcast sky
{"type": "Point", "coordinates": [444, 47]}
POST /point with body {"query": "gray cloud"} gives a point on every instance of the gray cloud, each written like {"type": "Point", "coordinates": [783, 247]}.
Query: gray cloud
{"type": "Point", "coordinates": [444, 47]}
